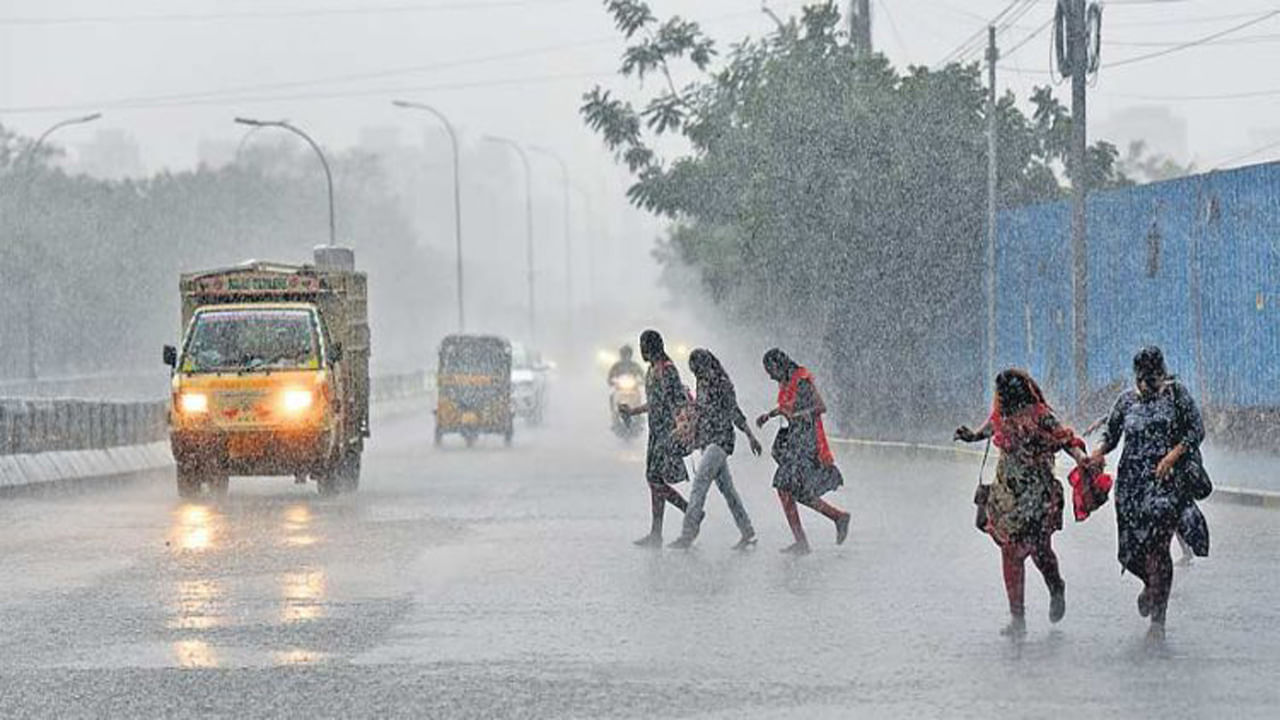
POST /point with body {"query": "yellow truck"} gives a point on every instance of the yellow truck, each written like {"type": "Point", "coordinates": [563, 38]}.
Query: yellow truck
{"type": "Point", "coordinates": [272, 376]}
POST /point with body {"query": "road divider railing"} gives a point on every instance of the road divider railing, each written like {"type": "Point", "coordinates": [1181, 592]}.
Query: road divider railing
{"type": "Point", "coordinates": [32, 426]}
{"type": "Point", "coordinates": [37, 426]}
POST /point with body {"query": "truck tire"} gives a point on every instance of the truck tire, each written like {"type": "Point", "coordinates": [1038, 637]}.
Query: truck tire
{"type": "Point", "coordinates": [439, 437]}
{"type": "Point", "coordinates": [219, 485]}
{"type": "Point", "coordinates": [348, 472]}
{"type": "Point", "coordinates": [327, 483]}
{"type": "Point", "coordinates": [470, 438]}
{"type": "Point", "coordinates": [188, 483]}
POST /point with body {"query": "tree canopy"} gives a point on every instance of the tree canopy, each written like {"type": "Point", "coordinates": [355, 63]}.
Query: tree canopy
{"type": "Point", "coordinates": [830, 199]}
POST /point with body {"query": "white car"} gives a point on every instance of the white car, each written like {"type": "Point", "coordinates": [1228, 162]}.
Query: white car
{"type": "Point", "coordinates": [528, 384]}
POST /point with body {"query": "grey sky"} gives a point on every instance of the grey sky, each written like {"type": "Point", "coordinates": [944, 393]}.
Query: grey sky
{"type": "Point", "coordinates": [553, 50]}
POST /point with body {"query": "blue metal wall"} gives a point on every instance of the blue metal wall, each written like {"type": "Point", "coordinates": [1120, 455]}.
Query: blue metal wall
{"type": "Point", "coordinates": [1192, 265]}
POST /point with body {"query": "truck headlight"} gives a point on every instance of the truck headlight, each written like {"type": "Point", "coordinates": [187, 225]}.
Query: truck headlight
{"type": "Point", "coordinates": [296, 401]}
{"type": "Point", "coordinates": [193, 403]}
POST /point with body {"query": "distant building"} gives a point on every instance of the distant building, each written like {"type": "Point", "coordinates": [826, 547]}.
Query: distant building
{"type": "Point", "coordinates": [113, 154]}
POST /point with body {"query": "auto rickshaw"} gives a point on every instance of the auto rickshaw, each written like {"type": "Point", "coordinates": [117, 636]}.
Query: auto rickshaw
{"type": "Point", "coordinates": [473, 388]}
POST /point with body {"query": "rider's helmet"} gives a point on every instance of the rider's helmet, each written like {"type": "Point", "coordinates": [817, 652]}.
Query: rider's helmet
{"type": "Point", "coordinates": [625, 352]}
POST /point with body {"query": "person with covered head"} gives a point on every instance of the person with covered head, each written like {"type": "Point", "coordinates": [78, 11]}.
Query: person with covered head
{"type": "Point", "coordinates": [625, 365]}
{"type": "Point", "coordinates": [716, 414]}
{"type": "Point", "coordinates": [664, 461]}
{"type": "Point", "coordinates": [1023, 507]}
{"type": "Point", "coordinates": [806, 466]}
{"type": "Point", "coordinates": [1162, 431]}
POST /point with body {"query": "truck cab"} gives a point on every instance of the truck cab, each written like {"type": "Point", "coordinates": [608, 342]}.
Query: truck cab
{"type": "Point", "coordinates": [271, 377]}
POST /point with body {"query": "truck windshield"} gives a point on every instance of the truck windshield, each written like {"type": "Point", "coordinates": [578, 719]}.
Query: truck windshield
{"type": "Point", "coordinates": [247, 340]}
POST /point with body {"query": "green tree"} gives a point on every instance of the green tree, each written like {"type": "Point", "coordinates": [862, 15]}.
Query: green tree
{"type": "Point", "coordinates": [832, 200]}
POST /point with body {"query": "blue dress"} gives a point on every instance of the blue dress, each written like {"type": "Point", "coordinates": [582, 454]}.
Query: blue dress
{"type": "Point", "coordinates": [1148, 508]}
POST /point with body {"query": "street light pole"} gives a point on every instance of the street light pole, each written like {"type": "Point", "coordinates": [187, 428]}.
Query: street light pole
{"type": "Point", "coordinates": [568, 235]}
{"type": "Point", "coordinates": [328, 176]}
{"type": "Point", "coordinates": [457, 196]}
{"type": "Point", "coordinates": [26, 175]}
{"type": "Point", "coordinates": [528, 225]}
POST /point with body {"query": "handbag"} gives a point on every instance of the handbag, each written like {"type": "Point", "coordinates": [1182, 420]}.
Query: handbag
{"type": "Point", "coordinates": [781, 444]}
{"type": "Point", "coordinates": [981, 493]}
{"type": "Point", "coordinates": [1192, 476]}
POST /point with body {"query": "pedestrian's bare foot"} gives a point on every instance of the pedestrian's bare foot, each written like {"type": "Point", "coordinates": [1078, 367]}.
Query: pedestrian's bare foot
{"type": "Point", "coordinates": [1016, 628]}
{"type": "Point", "coordinates": [649, 541]}
{"type": "Point", "coordinates": [1155, 633]}
{"type": "Point", "coordinates": [796, 548]}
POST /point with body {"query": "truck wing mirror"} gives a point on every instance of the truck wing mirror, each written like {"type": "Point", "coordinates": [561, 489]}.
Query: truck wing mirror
{"type": "Point", "coordinates": [335, 353]}
{"type": "Point", "coordinates": [171, 356]}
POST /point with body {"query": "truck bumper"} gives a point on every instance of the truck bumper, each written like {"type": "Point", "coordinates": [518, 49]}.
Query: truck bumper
{"type": "Point", "coordinates": [258, 452]}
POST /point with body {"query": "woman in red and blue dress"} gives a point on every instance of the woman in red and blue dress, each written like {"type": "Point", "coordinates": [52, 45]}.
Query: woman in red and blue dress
{"type": "Point", "coordinates": [1024, 506]}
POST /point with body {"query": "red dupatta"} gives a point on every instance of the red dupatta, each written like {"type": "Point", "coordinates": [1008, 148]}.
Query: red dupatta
{"type": "Point", "coordinates": [787, 393]}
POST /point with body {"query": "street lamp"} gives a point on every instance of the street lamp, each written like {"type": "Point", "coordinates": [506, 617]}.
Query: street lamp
{"type": "Point", "coordinates": [568, 234]}
{"type": "Point", "coordinates": [24, 165]}
{"type": "Point", "coordinates": [328, 176]}
{"type": "Point", "coordinates": [528, 223]}
{"type": "Point", "coordinates": [457, 196]}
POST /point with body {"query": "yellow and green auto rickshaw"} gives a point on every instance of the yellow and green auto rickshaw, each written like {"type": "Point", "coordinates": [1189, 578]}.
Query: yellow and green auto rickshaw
{"type": "Point", "coordinates": [473, 388]}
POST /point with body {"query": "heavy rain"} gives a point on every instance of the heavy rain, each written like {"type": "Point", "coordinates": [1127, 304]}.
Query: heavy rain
{"type": "Point", "coordinates": [639, 358]}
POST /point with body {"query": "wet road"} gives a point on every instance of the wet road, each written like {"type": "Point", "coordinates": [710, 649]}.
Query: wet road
{"type": "Point", "coordinates": [503, 583]}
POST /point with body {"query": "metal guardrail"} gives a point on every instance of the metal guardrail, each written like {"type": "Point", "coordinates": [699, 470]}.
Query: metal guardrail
{"type": "Point", "coordinates": [35, 426]}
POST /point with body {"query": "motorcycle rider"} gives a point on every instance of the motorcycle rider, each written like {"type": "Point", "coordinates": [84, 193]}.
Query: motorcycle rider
{"type": "Point", "coordinates": [625, 365]}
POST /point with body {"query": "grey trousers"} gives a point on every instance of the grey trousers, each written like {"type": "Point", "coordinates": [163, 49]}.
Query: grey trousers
{"type": "Point", "coordinates": [714, 467]}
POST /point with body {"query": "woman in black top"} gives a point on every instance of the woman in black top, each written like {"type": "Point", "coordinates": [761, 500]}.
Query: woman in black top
{"type": "Point", "coordinates": [717, 413]}
{"type": "Point", "coordinates": [664, 462]}
{"type": "Point", "coordinates": [1162, 431]}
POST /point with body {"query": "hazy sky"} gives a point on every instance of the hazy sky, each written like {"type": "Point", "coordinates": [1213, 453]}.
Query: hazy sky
{"type": "Point", "coordinates": [172, 72]}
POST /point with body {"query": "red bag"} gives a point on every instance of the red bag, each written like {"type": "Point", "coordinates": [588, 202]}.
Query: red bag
{"type": "Point", "coordinates": [1089, 490]}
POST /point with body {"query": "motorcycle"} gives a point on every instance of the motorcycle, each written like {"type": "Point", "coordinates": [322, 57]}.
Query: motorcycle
{"type": "Point", "coordinates": [626, 389]}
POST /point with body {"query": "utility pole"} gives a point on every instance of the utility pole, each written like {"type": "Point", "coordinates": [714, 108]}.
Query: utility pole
{"type": "Point", "coordinates": [860, 25]}
{"type": "Point", "coordinates": [993, 55]}
{"type": "Point", "coordinates": [1078, 59]}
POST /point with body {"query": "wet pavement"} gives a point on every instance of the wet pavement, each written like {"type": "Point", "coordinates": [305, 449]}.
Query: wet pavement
{"type": "Point", "coordinates": [503, 583]}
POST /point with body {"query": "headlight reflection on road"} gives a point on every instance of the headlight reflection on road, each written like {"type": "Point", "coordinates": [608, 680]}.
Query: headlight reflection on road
{"type": "Point", "coordinates": [194, 528]}
{"type": "Point", "coordinates": [297, 526]}
{"type": "Point", "coordinates": [194, 654]}
{"type": "Point", "coordinates": [198, 605]}
{"type": "Point", "coordinates": [304, 594]}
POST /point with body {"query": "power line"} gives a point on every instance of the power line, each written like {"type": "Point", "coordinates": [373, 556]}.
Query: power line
{"type": "Point", "coordinates": [332, 80]}
{"type": "Point", "coordinates": [367, 92]}
{"type": "Point", "coordinates": [967, 46]}
{"type": "Point", "coordinates": [1244, 95]}
{"type": "Point", "coordinates": [1193, 43]}
{"type": "Point", "coordinates": [208, 97]}
{"type": "Point", "coordinates": [1029, 38]}
{"type": "Point", "coordinates": [1201, 20]}
{"type": "Point", "coordinates": [273, 15]}
{"type": "Point", "coordinates": [1251, 153]}
{"type": "Point", "coordinates": [1246, 40]}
